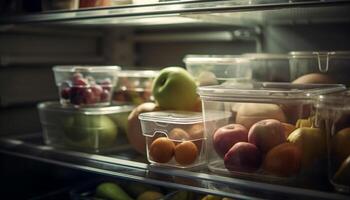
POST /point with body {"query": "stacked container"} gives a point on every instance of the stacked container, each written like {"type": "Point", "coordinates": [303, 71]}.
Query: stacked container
{"type": "Point", "coordinates": [84, 119]}
{"type": "Point", "coordinates": [334, 117]}
{"type": "Point", "coordinates": [271, 135]}
{"type": "Point", "coordinates": [330, 67]}
{"type": "Point", "coordinates": [134, 86]}
{"type": "Point", "coordinates": [218, 69]}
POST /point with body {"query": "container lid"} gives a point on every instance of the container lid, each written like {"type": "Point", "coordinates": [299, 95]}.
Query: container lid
{"type": "Point", "coordinates": [338, 101]}
{"type": "Point", "coordinates": [57, 107]}
{"type": "Point", "coordinates": [87, 68]}
{"type": "Point", "coordinates": [261, 91]}
{"type": "Point", "coordinates": [138, 73]}
{"type": "Point", "coordinates": [214, 59]}
{"type": "Point", "coordinates": [172, 117]}
{"type": "Point", "coordinates": [266, 56]}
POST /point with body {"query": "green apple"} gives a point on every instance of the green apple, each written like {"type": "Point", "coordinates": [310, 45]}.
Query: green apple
{"type": "Point", "coordinates": [175, 89]}
{"type": "Point", "coordinates": [90, 131]}
{"type": "Point", "coordinates": [109, 190]}
{"type": "Point", "coordinates": [311, 142]}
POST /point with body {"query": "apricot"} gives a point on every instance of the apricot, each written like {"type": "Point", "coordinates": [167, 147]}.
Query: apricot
{"type": "Point", "coordinates": [162, 150]}
{"type": "Point", "coordinates": [196, 133]}
{"type": "Point", "coordinates": [225, 137]}
{"type": "Point", "coordinates": [186, 153]}
{"type": "Point", "coordinates": [267, 134]}
{"type": "Point", "coordinates": [283, 160]}
{"type": "Point", "coordinates": [243, 156]}
{"type": "Point", "coordinates": [178, 134]}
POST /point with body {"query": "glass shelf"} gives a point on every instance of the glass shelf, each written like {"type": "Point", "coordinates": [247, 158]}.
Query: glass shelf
{"type": "Point", "coordinates": [175, 12]}
{"type": "Point", "coordinates": [123, 162]}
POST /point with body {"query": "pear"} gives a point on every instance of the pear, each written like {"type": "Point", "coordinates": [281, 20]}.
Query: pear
{"type": "Point", "coordinates": [109, 190]}
{"type": "Point", "coordinates": [341, 145]}
{"type": "Point", "coordinates": [342, 176]}
{"type": "Point", "coordinates": [150, 195]}
{"type": "Point", "coordinates": [312, 143]}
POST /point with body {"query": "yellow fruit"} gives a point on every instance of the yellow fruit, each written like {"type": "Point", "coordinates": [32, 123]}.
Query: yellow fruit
{"type": "Point", "coordinates": [303, 123]}
{"type": "Point", "coordinates": [150, 195]}
{"type": "Point", "coordinates": [312, 143]}
{"type": "Point", "coordinates": [341, 145]}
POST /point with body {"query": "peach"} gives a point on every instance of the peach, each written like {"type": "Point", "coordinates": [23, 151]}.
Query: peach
{"type": "Point", "coordinates": [243, 156]}
{"type": "Point", "coordinates": [266, 134]}
{"type": "Point", "coordinates": [250, 113]}
{"type": "Point", "coordinates": [225, 137]}
{"type": "Point", "coordinates": [186, 153]}
{"type": "Point", "coordinates": [283, 160]}
{"type": "Point", "coordinates": [162, 150]}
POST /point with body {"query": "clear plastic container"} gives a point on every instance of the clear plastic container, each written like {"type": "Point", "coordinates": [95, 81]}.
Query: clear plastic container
{"type": "Point", "coordinates": [134, 86]}
{"type": "Point", "coordinates": [174, 138]}
{"type": "Point", "coordinates": [84, 129]}
{"type": "Point", "coordinates": [86, 85]}
{"type": "Point", "coordinates": [59, 5]}
{"type": "Point", "coordinates": [94, 3]}
{"type": "Point", "coordinates": [263, 140]}
{"type": "Point", "coordinates": [329, 67]}
{"type": "Point", "coordinates": [269, 67]}
{"type": "Point", "coordinates": [218, 69]}
{"type": "Point", "coordinates": [334, 117]}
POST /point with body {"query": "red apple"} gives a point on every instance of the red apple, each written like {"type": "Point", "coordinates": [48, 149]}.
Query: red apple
{"type": "Point", "coordinates": [225, 137]}
{"type": "Point", "coordinates": [267, 134]}
{"type": "Point", "coordinates": [243, 156]}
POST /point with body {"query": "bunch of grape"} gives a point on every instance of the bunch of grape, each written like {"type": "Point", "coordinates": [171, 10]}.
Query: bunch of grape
{"type": "Point", "coordinates": [82, 90]}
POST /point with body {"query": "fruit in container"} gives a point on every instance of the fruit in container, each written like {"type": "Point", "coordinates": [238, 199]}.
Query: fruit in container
{"type": "Point", "coordinates": [340, 144]}
{"type": "Point", "coordinates": [244, 157]}
{"type": "Point", "coordinates": [283, 160]}
{"type": "Point", "coordinates": [90, 130]}
{"type": "Point", "coordinates": [225, 137]}
{"type": "Point", "coordinates": [267, 134]}
{"type": "Point", "coordinates": [288, 129]}
{"type": "Point", "coordinates": [80, 90]}
{"type": "Point", "coordinates": [196, 132]}
{"type": "Point", "coordinates": [250, 113]}
{"type": "Point", "coordinates": [186, 153]}
{"type": "Point", "coordinates": [94, 3]}
{"type": "Point", "coordinates": [207, 78]}
{"type": "Point", "coordinates": [178, 134]}
{"type": "Point", "coordinates": [150, 195]}
{"type": "Point", "coordinates": [113, 191]}
{"type": "Point", "coordinates": [342, 175]}
{"type": "Point", "coordinates": [304, 123]}
{"type": "Point", "coordinates": [162, 150]}
{"type": "Point", "coordinates": [315, 78]}
{"type": "Point", "coordinates": [311, 142]}
{"type": "Point", "coordinates": [134, 132]}
{"type": "Point", "coordinates": [175, 89]}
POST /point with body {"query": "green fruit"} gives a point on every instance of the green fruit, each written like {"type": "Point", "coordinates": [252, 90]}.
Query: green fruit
{"type": "Point", "coordinates": [121, 119]}
{"type": "Point", "coordinates": [136, 189]}
{"type": "Point", "coordinates": [111, 191]}
{"type": "Point", "coordinates": [90, 131]}
{"type": "Point", "coordinates": [311, 142]}
{"type": "Point", "coordinates": [211, 197]}
{"type": "Point", "coordinates": [341, 145]}
{"type": "Point", "coordinates": [150, 195]}
{"type": "Point", "coordinates": [342, 176]}
{"type": "Point", "coordinates": [175, 89]}
{"type": "Point", "coordinates": [181, 195]}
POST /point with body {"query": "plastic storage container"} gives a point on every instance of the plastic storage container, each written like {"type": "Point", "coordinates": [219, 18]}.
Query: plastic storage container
{"type": "Point", "coordinates": [59, 5]}
{"type": "Point", "coordinates": [85, 129]}
{"type": "Point", "coordinates": [86, 85]}
{"type": "Point", "coordinates": [331, 67]}
{"type": "Point", "coordinates": [265, 139]}
{"type": "Point", "coordinates": [269, 67]}
{"type": "Point", "coordinates": [174, 138]}
{"type": "Point", "coordinates": [134, 86]}
{"type": "Point", "coordinates": [218, 69]}
{"type": "Point", "coordinates": [334, 117]}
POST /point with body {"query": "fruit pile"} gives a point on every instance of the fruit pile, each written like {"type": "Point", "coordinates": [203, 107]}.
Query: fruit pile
{"type": "Point", "coordinates": [182, 145]}
{"type": "Point", "coordinates": [80, 90]}
{"type": "Point", "coordinates": [269, 146]}
{"type": "Point", "coordinates": [173, 89]}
